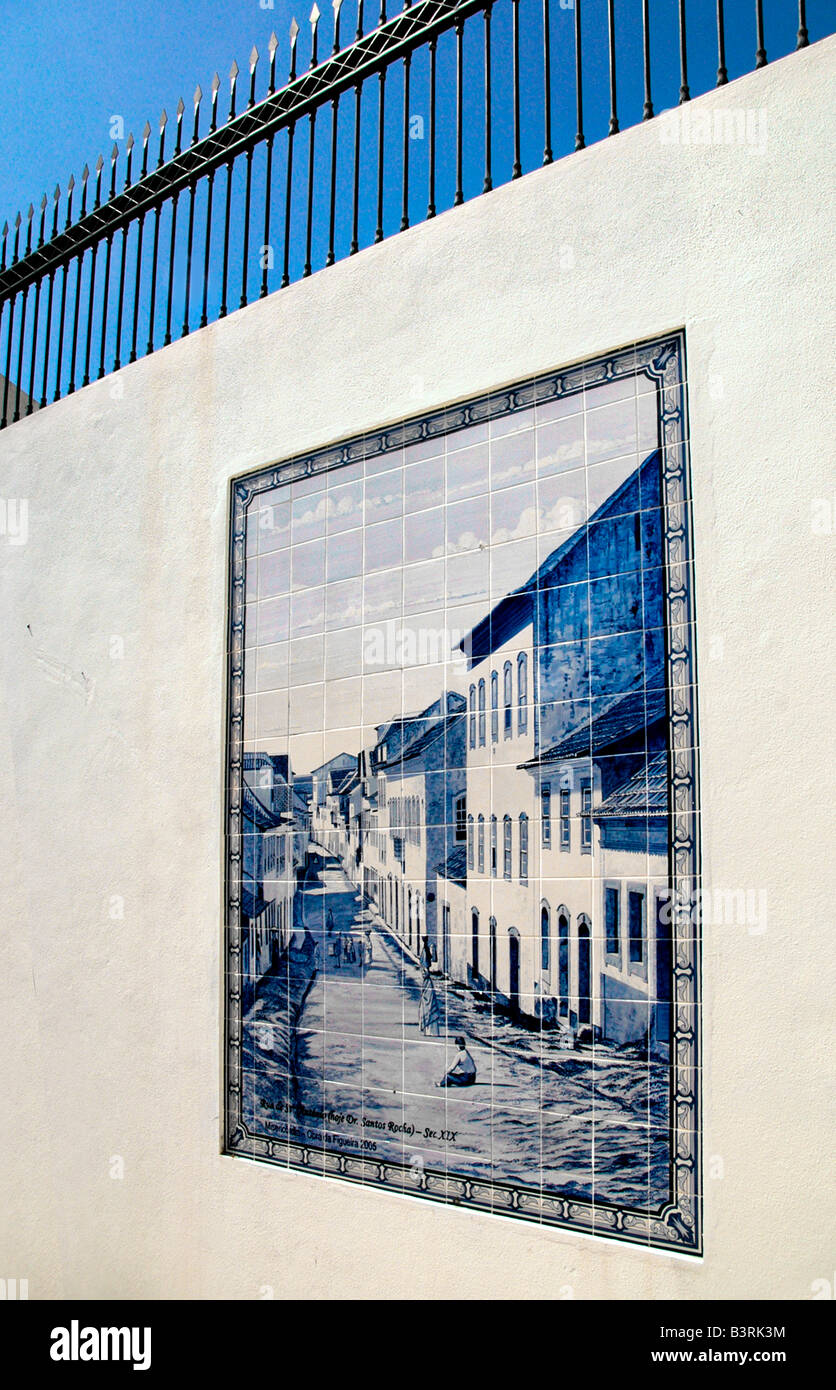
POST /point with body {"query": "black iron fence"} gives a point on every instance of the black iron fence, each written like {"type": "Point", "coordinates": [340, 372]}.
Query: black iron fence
{"type": "Point", "coordinates": [429, 107]}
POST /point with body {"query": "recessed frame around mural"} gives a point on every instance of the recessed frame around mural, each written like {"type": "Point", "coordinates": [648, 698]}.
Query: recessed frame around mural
{"type": "Point", "coordinates": [462, 849]}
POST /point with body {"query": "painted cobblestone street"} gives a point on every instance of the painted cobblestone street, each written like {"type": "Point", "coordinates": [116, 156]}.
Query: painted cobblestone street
{"type": "Point", "coordinates": [335, 1056]}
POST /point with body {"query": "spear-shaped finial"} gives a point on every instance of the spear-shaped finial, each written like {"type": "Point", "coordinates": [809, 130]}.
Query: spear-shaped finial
{"type": "Point", "coordinates": [271, 49]}
{"type": "Point", "coordinates": [197, 99]}
{"type": "Point", "coordinates": [163, 124]}
{"type": "Point", "coordinates": [99, 167]}
{"type": "Point", "coordinates": [314, 21]}
{"type": "Point", "coordinates": [233, 78]}
{"type": "Point", "coordinates": [85, 174]}
{"type": "Point", "coordinates": [294, 34]}
{"type": "Point", "coordinates": [253, 66]}
{"type": "Point", "coordinates": [70, 187]}
{"type": "Point", "coordinates": [43, 205]}
{"type": "Point", "coordinates": [129, 147]}
{"type": "Point", "coordinates": [146, 136]}
{"type": "Point", "coordinates": [30, 214]}
{"type": "Point", "coordinates": [4, 234]}
{"type": "Point", "coordinates": [56, 198]}
{"type": "Point", "coordinates": [336, 5]}
{"type": "Point", "coordinates": [181, 107]}
{"type": "Point", "coordinates": [216, 87]}
{"type": "Point", "coordinates": [17, 223]}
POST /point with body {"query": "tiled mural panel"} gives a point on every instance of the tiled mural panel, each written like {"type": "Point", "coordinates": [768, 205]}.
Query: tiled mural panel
{"type": "Point", "coordinates": [462, 807]}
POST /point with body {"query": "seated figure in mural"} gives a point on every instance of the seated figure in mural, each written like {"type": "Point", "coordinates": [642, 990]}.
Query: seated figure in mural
{"type": "Point", "coordinates": [463, 1070]}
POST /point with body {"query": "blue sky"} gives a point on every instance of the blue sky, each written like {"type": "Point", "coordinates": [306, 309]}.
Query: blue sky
{"type": "Point", "coordinates": [75, 64]}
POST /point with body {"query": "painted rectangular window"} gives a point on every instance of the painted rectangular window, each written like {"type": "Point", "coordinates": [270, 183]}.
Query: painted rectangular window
{"type": "Point", "coordinates": [418, 731]}
{"type": "Point", "coordinates": [522, 693]}
{"type": "Point", "coordinates": [507, 698]}
{"type": "Point", "coordinates": [506, 847]}
{"type": "Point", "coordinates": [565, 819]}
{"type": "Point", "coordinates": [586, 818]}
{"type": "Point", "coordinates": [523, 848]}
{"type": "Point", "coordinates": [612, 923]}
{"type": "Point", "coordinates": [546, 814]}
{"type": "Point", "coordinates": [635, 926]}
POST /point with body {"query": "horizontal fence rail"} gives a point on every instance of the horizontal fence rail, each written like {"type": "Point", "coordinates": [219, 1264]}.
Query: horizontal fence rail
{"type": "Point", "coordinates": [432, 106]}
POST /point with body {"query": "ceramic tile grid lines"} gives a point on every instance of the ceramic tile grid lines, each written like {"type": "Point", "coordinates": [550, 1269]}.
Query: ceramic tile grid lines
{"type": "Point", "coordinates": [463, 861]}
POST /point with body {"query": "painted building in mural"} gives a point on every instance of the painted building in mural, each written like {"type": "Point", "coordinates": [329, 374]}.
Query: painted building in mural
{"type": "Point", "coordinates": [274, 846]}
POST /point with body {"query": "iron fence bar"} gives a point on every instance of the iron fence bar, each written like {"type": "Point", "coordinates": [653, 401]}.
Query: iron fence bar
{"type": "Point", "coordinates": [79, 266]}
{"type": "Point", "coordinates": [381, 114]}
{"type": "Point", "coordinates": [314, 88]}
{"type": "Point", "coordinates": [684, 93]}
{"type": "Point", "coordinates": [431, 172]}
{"type": "Point", "coordinates": [105, 298]}
{"type": "Point", "coordinates": [48, 336]}
{"type": "Point", "coordinates": [613, 128]}
{"type": "Point", "coordinates": [547, 83]}
{"type": "Point", "coordinates": [138, 276]}
{"type": "Point", "coordinates": [332, 200]}
{"type": "Point", "coordinates": [488, 181]}
{"type": "Point", "coordinates": [647, 112]}
{"type": "Point", "coordinates": [515, 44]}
{"type": "Point", "coordinates": [405, 209]}
{"type": "Point", "coordinates": [21, 338]}
{"type": "Point", "coordinates": [309, 219]}
{"type": "Point", "coordinates": [802, 38]}
{"type": "Point", "coordinates": [722, 71]}
{"type": "Point", "coordinates": [85, 381]}
{"type": "Point", "coordinates": [459, 195]}
{"type": "Point", "coordinates": [34, 352]}
{"type": "Point", "coordinates": [227, 214]}
{"type": "Point", "coordinates": [760, 56]}
{"type": "Point", "coordinates": [579, 136]}
{"type": "Point", "coordinates": [355, 208]}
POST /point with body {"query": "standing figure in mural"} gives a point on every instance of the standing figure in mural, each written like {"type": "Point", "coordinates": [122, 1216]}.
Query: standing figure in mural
{"type": "Point", "coordinates": [349, 948]}
{"type": "Point", "coordinates": [338, 947]}
{"type": "Point", "coordinates": [367, 948]}
{"type": "Point", "coordinates": [429, 1016]}
{"type": "Point", "coordinates": [329, 922]}
{"type": "Point", "coordinates": [426, 954]}
{"type": "Point", "coordinates": [463, 1070]}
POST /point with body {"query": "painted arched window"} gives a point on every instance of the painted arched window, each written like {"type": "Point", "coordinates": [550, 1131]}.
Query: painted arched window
{"type": "Point", "coordinates": [522, 693]}
{"type": "Point", "coordinates": [480, 845]}
{"type": "Point", "coordinates": [584, 970]}
{"type": "Point", "coordinates": [563, 962]}
{"type": "Point", "coordinates": [523, 848]}
{"type": "Point", "coordinates": [481, 713]}
{"type": "Point", "coordinates": [474, 942]}
{"type": "Point", "coordinates": [494, 707]}
{"type": "Point", "coordinates": [507, 698]}
{"type": "Point", "coordinates": [493, 847]}
{"type": "Point", "coordinates": [472, 720]}
{"type": "Point", "coordinates": [506, 847]}
{"type": "Point", "coordinates": [545, 934]}
{"type": "Point", "coordinates": [470, 842]}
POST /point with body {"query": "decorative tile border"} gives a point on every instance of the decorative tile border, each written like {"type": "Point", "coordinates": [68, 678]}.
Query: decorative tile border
{"type": "Point", "coordinates": [677, 1225]}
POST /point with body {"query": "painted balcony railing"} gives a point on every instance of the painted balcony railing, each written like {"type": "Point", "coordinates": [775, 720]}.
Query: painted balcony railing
{"type": "Point", "coordinates": [430, 107]}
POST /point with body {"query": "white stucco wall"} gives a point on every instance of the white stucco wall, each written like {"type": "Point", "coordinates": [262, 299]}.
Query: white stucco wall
{"type": "Point", "coordinates": [111, 765]}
